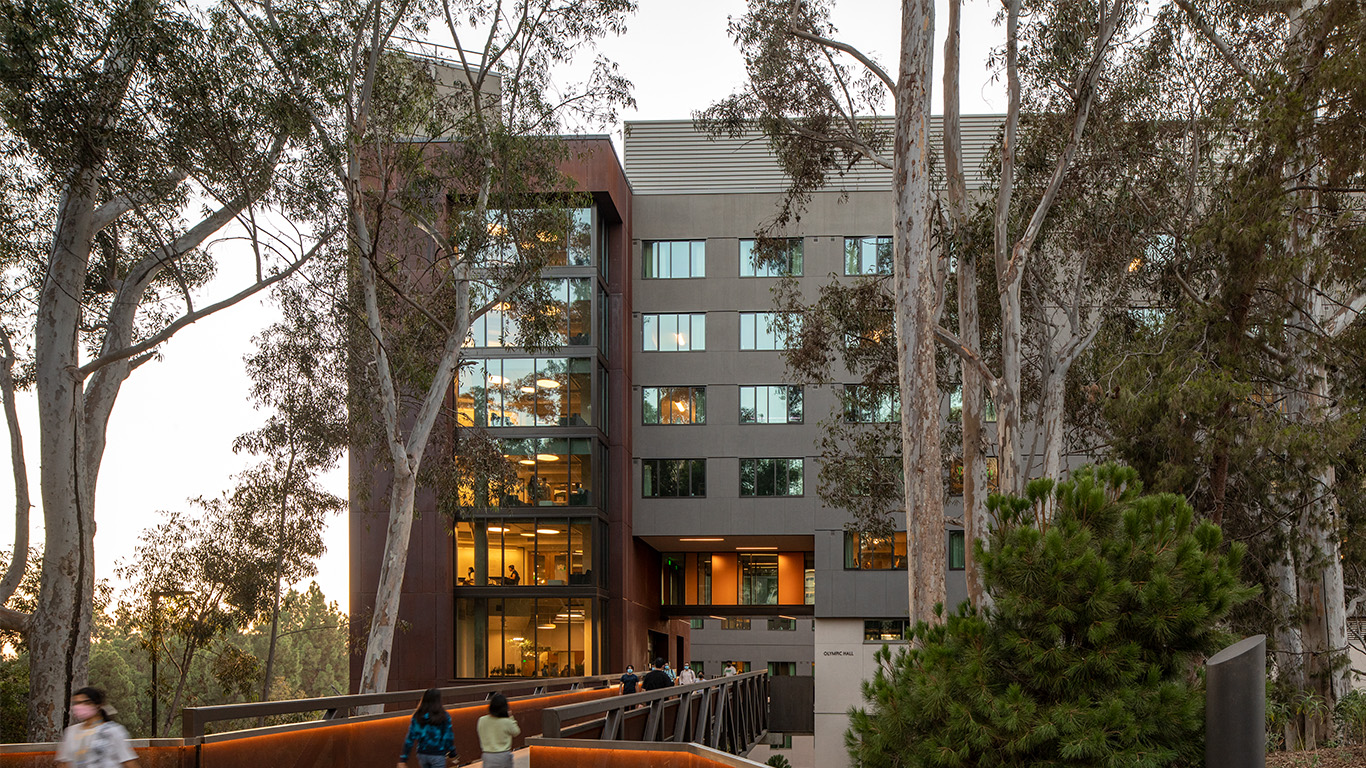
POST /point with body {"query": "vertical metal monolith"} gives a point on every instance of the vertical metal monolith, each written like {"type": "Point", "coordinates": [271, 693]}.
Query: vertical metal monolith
{"type": "Point", "coordinates": [1235, 706]}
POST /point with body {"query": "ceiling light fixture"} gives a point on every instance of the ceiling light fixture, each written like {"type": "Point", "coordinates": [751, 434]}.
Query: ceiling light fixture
{"type": "Point", "coordinates": [547, 384]}
{"type": "Point", "coordinates": [547, 457]}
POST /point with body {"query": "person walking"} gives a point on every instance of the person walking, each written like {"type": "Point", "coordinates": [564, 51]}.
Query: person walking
{"type": "Point", "coordinates": [629, 680]}
{"type": "Point", "coordinates": [673, 677]}
{"type": "Point", "coordinates": [687, 676]}
{"type": "Point", "coordinates": [429, 732]}
{"type": "Point", "coordinates": [95, 740]}
{"type": "Point", "coordinates": [656, 678]}
{"type": "Point", "coordinates": [729, 670]}
{"type": "Point", "coordinates": [496, 732]}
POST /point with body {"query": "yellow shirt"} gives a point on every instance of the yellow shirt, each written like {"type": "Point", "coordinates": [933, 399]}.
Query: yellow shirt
{"type": "Point", "coordinates": [495, 733]}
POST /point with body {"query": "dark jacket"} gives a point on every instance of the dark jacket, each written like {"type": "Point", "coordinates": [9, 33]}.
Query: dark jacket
{"type": "Point", "coordinates": [431, 735]}
{"type": "Point", "coordinates": [656, 679]}
{"type": "Point", "coordinates": [628, 682]}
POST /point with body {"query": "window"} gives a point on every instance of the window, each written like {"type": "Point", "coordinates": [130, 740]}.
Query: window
{"type": "Point", "coordinates": [872, 403]}
{"type": "Point", "coordinates": [673, 584]}
{"type": "Point", "coordinates": [776, 257]}
{"type": "Point", "coordinates": [568, 314]}
{"type": "Point", "coordinates": [735, 624]}
{"type": "Point", "coordinates": [956, 406]}
{"type": "Point", "coordinates": [696, 624]}
{"type": "Point", "coordinates": [664, 259]}
{"type": "Point", "coordinates": [555, 237]}
{"type": "Point", "coordinates": [758, 579]}
{"type": "Point", "coordinates": [674, 405]}
{"type": "Point", "coordinates": [867, 255]}
{"type": "Point", "coordinates": [956, 475]}
{"type": "Point", "coordinates": [525, 392]}
{"type": "Point", "coordinates": [663, 478]}
{"type": "Point", "coordinates": [782, 624]}
{"type": "Point", "coordinates": [866, 552]}
{"type": "Point", "coordinates": [675, 333]}
{"type": "Point", "coordinates": [765, 330]}
{"type": "Point", "coordinates": [783, 668]}
{"type": "Point", "coordinates": [886, 630]}
{"type": "Point", "coordinates": [524, 551]}
{"type": "Point", "coordinates": [958, 559]}
{"type": "Point", "coordinates": [527, 637]}
{"type": "Point", "coordinates": [542, 472]}
{"type": "Point", "coordinates": [704, 578]}
{"type": "Point", "coordinates": [770, 477]}
{"type": "Point", "coordinates": [771, 404]}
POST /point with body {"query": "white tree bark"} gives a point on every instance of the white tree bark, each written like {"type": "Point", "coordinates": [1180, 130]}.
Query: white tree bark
{"type": "Point", "coordinates": [969, 317]}
{"type": "Point", "coordinates": [916, 289]}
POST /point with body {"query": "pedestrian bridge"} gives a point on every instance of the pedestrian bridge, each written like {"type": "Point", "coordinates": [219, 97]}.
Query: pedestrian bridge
{"type": "Point", "coordinates": [566, 723]}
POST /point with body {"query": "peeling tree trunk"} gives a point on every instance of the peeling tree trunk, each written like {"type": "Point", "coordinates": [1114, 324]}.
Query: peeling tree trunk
{"type": "Point", "coordinates": [1054, 389]}
{"type": "Point", "coordinates": [1289, 647]}
{"type": "Point", "coordinates": [969, 320]}
{"type": "Point", "coordinates": [915, 289]}
{"type": "Point", "coordinates": [974, 444]}
{"type": "Point", "coordinates": [375, 671]}
{"type": "Point", "coordinates": [59, 635]}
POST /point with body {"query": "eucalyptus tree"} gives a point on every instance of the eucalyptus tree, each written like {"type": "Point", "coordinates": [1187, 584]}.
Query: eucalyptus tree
{"type": "Point", "coordinates": [140, 129]}
{"type": "Point", "coordinates": [294, 373]}
{"type": "Point", "coordinates": [815, 98]}
{"type": "Point", "coordinates": [1265, 287]}
{"type": "Point", "coordinates": [454, 195]}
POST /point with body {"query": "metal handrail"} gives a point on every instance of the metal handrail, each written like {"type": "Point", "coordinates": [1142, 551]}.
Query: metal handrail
{"type": "Point", "coordinates": [194, 719]}
{"type": "Point", "coordinates": [743, 719]}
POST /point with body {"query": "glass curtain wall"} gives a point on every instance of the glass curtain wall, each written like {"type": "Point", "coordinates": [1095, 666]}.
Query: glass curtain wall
{"type": "Point", "coordinates": [525, 552]}
{"type": "Point", "coordinates": [526, 637]}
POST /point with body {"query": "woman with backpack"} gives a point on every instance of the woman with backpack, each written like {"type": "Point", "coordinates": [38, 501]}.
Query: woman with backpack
{"type": "Point", "coordinates": [429, 732]}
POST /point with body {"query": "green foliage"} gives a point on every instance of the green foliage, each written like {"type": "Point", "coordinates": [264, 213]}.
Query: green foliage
{"type": "Point", "coordinates": [1106, 603]}
{"type": "Point", "coordinates": [778, 761]}
{"type": "Point", "coordinates": [13, 698]}
{"type": "Point", "coordinates": [1350, 715]}
{"type": "Point", "coordinates": [311, 660]}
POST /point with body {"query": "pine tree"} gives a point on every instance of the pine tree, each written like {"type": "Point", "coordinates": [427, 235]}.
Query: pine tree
{"type": "Point", "coordinates": [1106, 602]}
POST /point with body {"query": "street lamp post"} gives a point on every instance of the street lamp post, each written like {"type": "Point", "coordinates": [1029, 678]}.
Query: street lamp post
{"type": "Point", "coordinates": [157, 594]}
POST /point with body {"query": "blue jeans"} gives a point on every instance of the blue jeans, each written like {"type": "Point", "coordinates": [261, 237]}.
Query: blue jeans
{"type": "Point", "coordinates": [431, 761]}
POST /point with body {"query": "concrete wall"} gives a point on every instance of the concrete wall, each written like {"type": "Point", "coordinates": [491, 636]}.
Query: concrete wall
{"type": "Point", "coordinates": [843, 662]}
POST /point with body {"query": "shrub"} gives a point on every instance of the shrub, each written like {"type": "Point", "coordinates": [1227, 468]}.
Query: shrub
{"type": "Point", "coordinates": [1106, 603]}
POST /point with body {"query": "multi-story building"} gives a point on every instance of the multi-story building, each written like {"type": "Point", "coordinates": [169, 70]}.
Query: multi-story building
{"type": "Point", "coordinates": [667, 459]}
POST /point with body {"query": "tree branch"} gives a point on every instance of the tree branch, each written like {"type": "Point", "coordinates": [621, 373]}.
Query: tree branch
{"type": "Point", "coordinates": [192, 317]}
{"type": "Point", "coordinates": [110, 211]}
{"type": "Point", "coordinates": [14, 621]}
{"type": "Point", "coordinates": [968, 356]}
{"type": "Point", "coordinates": [14, 572]}
{"type": "Point", "coordinates": [849, 49]}
{"type": "Point", "coordinates": [1214, 39]}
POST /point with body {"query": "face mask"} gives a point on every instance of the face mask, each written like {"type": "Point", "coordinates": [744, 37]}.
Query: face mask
{"type": "Point", "coordinates": [630, 670]}
{"type": "Point", "coordinates": [84, 712]}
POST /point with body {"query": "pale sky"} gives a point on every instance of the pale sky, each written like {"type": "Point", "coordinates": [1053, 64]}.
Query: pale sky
{"type": "Point", "coordinates": [171, 435]}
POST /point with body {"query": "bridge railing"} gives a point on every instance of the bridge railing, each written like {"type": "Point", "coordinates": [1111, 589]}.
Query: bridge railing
{"type": "Point", "coordinates": [194, 720]}
{"type": "Point", "coordinates": [727, 713]}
